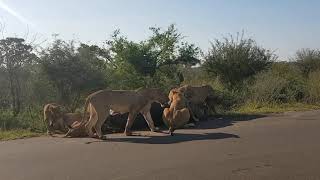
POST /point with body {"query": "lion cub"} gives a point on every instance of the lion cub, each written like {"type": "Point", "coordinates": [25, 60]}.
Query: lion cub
{"type": "Point", "coordinates": [178, 114]}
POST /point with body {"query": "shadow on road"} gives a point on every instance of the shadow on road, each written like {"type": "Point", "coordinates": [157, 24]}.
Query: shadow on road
{"type": "Point", "coordinates": [220, 121]}
{"type": "Point", "coordinates": [215, 122]}
{"type": "Point", "coordinates": [177, 138]}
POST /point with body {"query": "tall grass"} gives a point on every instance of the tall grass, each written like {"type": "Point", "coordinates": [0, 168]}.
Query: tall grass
{"type": "Point", "coordinates": [30, 119]}
{"type": "Point", "coordinates": [313, 87]}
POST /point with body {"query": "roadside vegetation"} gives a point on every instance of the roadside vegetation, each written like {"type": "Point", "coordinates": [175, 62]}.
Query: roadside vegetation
{"type": "Point", "coordinates": [17, 134]}
{"type": "Point", "coordinates": [247, 77]}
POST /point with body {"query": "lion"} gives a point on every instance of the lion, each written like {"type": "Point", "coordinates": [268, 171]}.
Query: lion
{"type": "Point", "coordinates": [100, 103]}
{"type": "Point", "coordinates": [197, 96]}
{"type": "Point", "coordinates": [57, 119]}
{"type": "Point", "coordinates": [178, 114]}
{"type": "Point", "coordinates": [52, 113]}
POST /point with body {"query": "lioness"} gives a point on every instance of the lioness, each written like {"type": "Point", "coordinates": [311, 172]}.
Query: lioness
{"type": "Point", "coordinates": [101, 102]}
{"type": "Point", "coordinates": [52, 113]}
{"type": "Point", "coordinates": [57, 120]}
{"type": "Point", "coordinates": [196, 96]}
{"type": "Point", "coordinates": [178, 114]}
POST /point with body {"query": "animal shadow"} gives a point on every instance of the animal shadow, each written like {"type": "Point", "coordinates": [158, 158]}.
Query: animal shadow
{"type": "Point", "coordinates": [220, 121]}
{"type": "Point", "coordinates": [177, 138]}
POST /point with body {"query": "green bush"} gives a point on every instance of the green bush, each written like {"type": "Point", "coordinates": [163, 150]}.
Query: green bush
{"type": "Point", "coordinates": [313, 87]}
{"type": "Point", "coordinates": [308, 60]}
{"type": "Point", "coordinates": [283, 83]}
{"type": "Point", "coordinates": [31, 119]}
{"type": "Point", "coordinates": [235, 59]}
{"type": "Point", "coordinates": [242, 73]}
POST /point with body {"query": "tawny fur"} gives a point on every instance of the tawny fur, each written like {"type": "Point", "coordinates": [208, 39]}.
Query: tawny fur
{"type": "Point", "coordinates": [57, 120]}
{"type": "Point", "coordinates": [197, 96]}
{"type": "Point", "coordinates": [178, 114]}
{"type": "Point", "coordinates": [101, 102]}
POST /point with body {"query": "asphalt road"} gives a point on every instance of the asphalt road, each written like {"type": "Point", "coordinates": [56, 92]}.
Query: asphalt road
{"type": "Point", "coordinates": [284, 146]}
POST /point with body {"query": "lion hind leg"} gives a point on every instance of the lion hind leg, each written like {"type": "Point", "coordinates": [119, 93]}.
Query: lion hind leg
{"type": "Point", "coordinates": [166, 116]}
{"type": "Point", "coordinates": [192, 114]}
{"type": "Point", "coordinates": [181, 117]}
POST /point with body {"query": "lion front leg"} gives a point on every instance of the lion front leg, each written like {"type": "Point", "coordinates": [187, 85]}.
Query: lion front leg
{"type": "Point", "coordinates": [192, 114]}
{"type": "Point", "coordinates": [131, 118]}
{"type": "Point", "coordinates": [171, 130]}
{"type": "Point", "coordinates": [101, 119]}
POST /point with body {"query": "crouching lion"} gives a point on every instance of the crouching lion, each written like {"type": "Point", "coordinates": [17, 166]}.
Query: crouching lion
{"type": "Point", "coordinates": [57, 120]}
{"type": "Point", "coordinates": [178, 114]}
{"type": "Point", "coordinates": [197, 96]}
{"type": "Point", "coordinates": [101, 102]}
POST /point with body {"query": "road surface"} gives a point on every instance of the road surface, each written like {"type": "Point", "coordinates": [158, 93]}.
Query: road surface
{"type": "Point", "coordinates": [276, 147]}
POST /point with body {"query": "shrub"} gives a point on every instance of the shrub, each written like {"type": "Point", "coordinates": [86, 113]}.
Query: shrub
{"type": "Point", "coordinates": [308, 60]}
{"type": "Point", "coordinates": [313, 87]}
{"type": "Point", "coordinates": [235, 59]}
{"type": "Point", "coordinates": [282, 83]}
{"type": "Point", "coordinates": [30, 119]}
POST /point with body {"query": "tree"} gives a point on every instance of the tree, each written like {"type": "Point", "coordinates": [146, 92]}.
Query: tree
{"type": "Point", "coordinates": [74, 71]}
{"type": "Point", "coordinates": [308, 60]}
{"type": "Point", "coordinates": [234, 59]}
{"type": "Point", "coordinates": [14, 55]}
{"type": "Point", "coordinates": [188, 55]}
{"type": "Point", "coordinates": [148, 60]}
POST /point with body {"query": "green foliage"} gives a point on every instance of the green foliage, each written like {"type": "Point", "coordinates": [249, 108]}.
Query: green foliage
{"type": "Point", "coordinates": [5, 102]}
{"type": "Point", "coordinates": [281, 84]}
{"type": "Point", "coordinates": [308, 60]}
{"type": "Point", "coordinates": [14, 55]}
{"type": "Point", "coordinates": [188, 54]}
{"type": "Point", "coordinates": [72, 71]}
{"type": "Point", "coordinates": [313, 87]}
{"type": "Point", "coordinates": [235, 59]}
{"type": "Point", "coordinates": [17, 134]}
{"type": "Point", "coordinates": [153, 62]}
{"type": "Point", "coordinates": [258, 108]}
{"type": "Point", "coordinates": [39, 88]}
{"type": "Point", "coordinates": [164, 43]}
{"type": "Point", "coordinates": [31, 118]}
{"type": "Point", "coordinates": [243, 75]}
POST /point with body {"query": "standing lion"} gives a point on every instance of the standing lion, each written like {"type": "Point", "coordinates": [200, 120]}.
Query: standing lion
{"type": "Point", "coordinates": [99, 104]}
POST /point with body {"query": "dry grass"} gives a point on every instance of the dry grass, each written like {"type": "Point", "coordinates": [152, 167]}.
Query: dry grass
{"type": "Point", "coordinates": [276, 108]}
{"type": "Point", "coordinates": [17, 134]}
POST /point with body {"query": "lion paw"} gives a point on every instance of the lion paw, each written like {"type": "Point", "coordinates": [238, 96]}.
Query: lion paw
{"type": "Point", "coordinates": [127, 133]}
